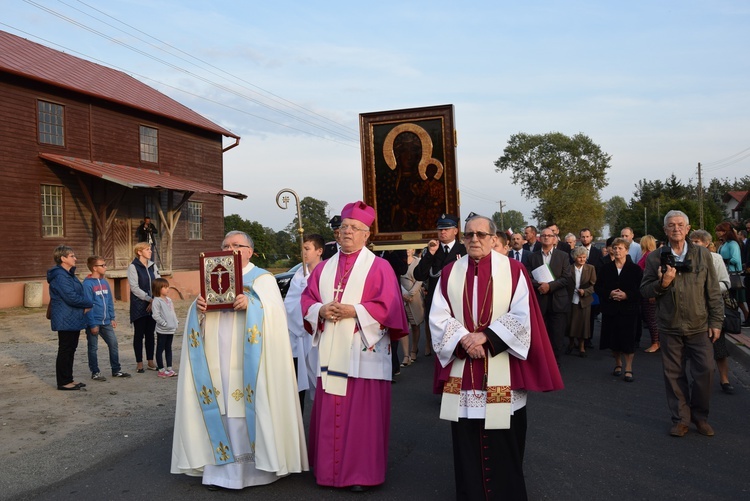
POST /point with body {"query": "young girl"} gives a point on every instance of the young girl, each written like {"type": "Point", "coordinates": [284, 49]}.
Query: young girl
{"type": "Point", "coordinates": [162, 310]}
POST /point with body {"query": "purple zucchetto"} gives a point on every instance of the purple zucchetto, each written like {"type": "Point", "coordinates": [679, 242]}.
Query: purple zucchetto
{"type": "Point", "coordinates": [360, 211]}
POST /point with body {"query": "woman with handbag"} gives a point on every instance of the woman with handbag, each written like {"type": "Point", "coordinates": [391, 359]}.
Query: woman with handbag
{"type": "Point", "coordinates": [731, 252]}
{"type": "Point", "coordinates": [702, 238]}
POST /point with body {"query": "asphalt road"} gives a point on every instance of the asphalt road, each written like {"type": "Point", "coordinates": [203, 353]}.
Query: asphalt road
{"type": "Point", "coordinates": [600, 438]}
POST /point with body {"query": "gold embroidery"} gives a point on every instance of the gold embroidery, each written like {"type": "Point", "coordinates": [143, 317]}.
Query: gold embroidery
{"type": "Point", "coordinates": [249, 394]}
{"type": "Point", "coordinates": [206, 394]}
{"type": "Point", "coordinates": [238, 395]}
{"type": "Point", "coordinates": [223, 451]}
{"type": "Point", "coordinates": [452, 386]}
{"type": "Point", "coordinates": [216, 392]}
{"type": "Point", "coordinates": [254, 335]}
{"type": "Point", "coordinates": [194, 342]}
{"type": "Point", "coordinates": [498, 394]}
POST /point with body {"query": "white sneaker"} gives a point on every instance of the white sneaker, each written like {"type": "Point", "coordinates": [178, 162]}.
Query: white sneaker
{"type": "Point", "coordinates": [97, 376]}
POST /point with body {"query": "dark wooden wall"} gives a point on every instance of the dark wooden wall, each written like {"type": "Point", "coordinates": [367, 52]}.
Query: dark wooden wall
{"type": "Point", "coordinates": [101, 131]}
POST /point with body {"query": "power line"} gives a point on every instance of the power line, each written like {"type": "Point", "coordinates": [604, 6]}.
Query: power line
{"type": "Point", "coordinates": [275, 98]}
{"type": "Point", "coordinates": [73, 51]}
{"type": "Point", "coordinates": [183, 70]}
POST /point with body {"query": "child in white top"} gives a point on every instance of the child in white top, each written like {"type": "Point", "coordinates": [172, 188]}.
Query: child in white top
{"type": "Point", "coordinates": [162, 310]}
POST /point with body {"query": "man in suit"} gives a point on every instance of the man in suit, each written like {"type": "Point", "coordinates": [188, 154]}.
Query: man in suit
{"type": "Point", "coordinates": [593, 254]}
{"type": "Point", "coordinates": [517, 251]}
{"type": "Point", "coordinates": [559, 243]}
{"type": "Point", "coordinates": [554, 296]}
{"type": "Point", "coordinates": [594, 258]}
{"type": "Point", "coordinates": [332, 248]}
{"type": "Point", "coordinates": [446, 249]}
{"type": "Point", "coordinates": [532, 243]}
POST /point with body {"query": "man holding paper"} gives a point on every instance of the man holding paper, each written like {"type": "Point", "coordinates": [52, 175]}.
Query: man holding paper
{"type": "Point", "coordinates": [551, 279]}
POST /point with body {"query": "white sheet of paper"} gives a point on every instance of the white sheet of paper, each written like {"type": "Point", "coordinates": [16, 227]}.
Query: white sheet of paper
{"type": "Point", "coordinates": [543, 274]}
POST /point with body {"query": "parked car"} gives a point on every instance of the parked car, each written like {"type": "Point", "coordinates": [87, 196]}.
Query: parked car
{"type": "Point", "coordinates": [284, 278]}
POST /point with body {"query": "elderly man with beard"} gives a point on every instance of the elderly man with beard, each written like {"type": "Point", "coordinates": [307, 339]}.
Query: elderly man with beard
{"type": "Point", "coordinates": [489, 337]}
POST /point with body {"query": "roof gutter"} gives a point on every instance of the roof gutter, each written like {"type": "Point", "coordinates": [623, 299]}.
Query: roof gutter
{"type": "Point", "coordinates": [236, 143]}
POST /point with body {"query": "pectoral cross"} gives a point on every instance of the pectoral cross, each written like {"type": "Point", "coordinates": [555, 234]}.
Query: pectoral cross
{"type": "Point", "coordinates": [218, 275]}
{"type": "Point", "coordinates": [337, 292]}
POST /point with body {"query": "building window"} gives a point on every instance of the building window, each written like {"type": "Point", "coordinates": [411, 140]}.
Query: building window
{"type": "Point", "coordinates": [51, 126]}
{"type": "Point", "coordinates": [52, 211]}
{"type": "Point", "coordinates": [195, 220]}
{"type": "Point", "coordinates": [149, 144]}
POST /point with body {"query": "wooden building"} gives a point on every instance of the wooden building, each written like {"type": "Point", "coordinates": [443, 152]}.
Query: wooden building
{"type": "Point", "coordinates": [86, 152]}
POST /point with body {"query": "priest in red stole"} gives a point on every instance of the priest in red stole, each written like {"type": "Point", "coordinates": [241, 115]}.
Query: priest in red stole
{"type": "Point", "coordinates": [490, 339]}
{"type": "Point", "coordinates": [353, 308]}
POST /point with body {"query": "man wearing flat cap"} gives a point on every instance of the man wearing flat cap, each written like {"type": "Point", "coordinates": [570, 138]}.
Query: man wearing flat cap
{"type": "Point", "coordinates": [353, 308]}
{"type": "Point", "coordinates": [332, 248]}
{"type": "Point", "coordinates": [446, 249]}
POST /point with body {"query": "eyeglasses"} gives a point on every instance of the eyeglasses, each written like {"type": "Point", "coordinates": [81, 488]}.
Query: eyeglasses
{"type": "Point", "coordinates": [346, 227]}
{"type": "Point", "coordinates": [546, 235]}
{"type": "Point", "coordinates": [234, 246]}
{"type": "Point", "coordinates": [103, 265]}
{"type": "Point", "coordinates": [469, 235]}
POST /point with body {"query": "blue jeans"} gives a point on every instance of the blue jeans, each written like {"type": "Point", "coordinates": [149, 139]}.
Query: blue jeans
{"type": "Point", "coordinates": [107, 333]}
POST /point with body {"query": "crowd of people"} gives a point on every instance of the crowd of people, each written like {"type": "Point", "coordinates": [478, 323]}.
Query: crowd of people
{"type": "Point", "coordinates": [500, 314]}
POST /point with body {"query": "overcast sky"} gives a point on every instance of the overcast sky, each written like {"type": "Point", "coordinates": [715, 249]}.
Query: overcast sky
{"type": "Point", "coordinates": [660, 86]}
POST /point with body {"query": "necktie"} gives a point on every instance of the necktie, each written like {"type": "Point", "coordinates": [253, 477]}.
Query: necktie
{"type": "Point", "coordinates": [445, 248]}
{"type": "Point", "coordinates": [518, 256]}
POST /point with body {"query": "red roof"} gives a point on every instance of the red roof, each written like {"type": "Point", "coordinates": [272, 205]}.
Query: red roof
{"type": "Point", "coordinates": [133, 177]}
{"type": "Point", "coordinates": [739, 196]}
{"type": "Point", "coordinates": [37, 62]}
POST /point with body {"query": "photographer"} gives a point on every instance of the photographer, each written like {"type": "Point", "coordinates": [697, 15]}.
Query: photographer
{"type": "Point", "coordinates": [690, 313]}
{"type": "Point", "coordinates": [146, 232]}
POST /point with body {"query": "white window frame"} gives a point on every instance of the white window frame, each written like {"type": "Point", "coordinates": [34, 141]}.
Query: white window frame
{"type": "Point", "coordinates": [51, 123]}
{"type": "Point", "coordinates": [52, 211]}
{"type": "Point", "coordinates": [195, 220]}
{"type": "Point", "coordinates": [149, 143]}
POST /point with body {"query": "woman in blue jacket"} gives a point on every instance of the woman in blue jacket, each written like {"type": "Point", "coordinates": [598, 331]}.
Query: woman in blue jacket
{"type": "Point", "coordinates": [68, 307]}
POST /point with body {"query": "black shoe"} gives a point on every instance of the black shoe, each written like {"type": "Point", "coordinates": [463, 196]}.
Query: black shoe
{"type": "Point", "coordinates": [727, 388]}
{"type": "Point", "coordinates": [568, 350]}
{"type": "Point", "coordinates": [359, 488]}
{"type": "Point", "coordinates": [71, 388]}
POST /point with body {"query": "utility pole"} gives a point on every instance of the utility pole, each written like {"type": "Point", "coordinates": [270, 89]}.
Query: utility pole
{"type": "Point", "coordinates": [502, 223]}
{"type": "Point", "coordinates": [700, 196]}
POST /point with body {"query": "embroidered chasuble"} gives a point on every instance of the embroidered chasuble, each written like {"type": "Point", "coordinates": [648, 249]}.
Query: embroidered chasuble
{"type": "Point", "coordinates": [237, 418]}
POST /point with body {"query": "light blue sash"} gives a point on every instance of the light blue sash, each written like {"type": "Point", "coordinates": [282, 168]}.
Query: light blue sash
{"type": "Point", "coordinates": [205, 391]}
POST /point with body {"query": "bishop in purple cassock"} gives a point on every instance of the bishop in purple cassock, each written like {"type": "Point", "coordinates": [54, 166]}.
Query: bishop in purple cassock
{"type": "Point", "coordinates": [353, 308]}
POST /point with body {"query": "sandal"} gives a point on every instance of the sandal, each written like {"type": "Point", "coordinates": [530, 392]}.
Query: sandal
{"type": "Point", "coordinates": [406, 362]}
{"type": "Point", "coordinates": [628, 379]}
{"type": "Point", "coordinates": [618, 371]}
{"type": "Point", "coordinates": [413, 356]}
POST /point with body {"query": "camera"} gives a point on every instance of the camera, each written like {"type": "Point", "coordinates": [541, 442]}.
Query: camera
{"type": "Point", "coordinates": [667, 259]}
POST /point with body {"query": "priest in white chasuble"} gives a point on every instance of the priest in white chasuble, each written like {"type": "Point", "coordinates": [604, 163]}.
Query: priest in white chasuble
{"type": "Point", "coordinates": [237, 418]}
{"type": "Point", "coordinates": [353, 308]}
{"type": "Point", "coordinates": [490, 339]}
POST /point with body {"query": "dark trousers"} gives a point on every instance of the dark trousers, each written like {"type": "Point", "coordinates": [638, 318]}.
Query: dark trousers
{"type": "Point", "coordinates": [302, 393]}
{"type": "Point", "coordinates": [556, 323]}
{"type": "Point", "coordinates": [163, 346]}
{"type": "Point", "coordinates": [143, 329]}
{"type": "Point", "coordinates": [67, 342]}
{"type": "Point", "coordinates": [488, 464]}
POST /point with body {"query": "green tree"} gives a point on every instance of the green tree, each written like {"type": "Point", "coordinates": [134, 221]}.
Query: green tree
{"type": "Point", "coordinates": [265, 250]}
{"type": "Point", "coordinates": [614, 213]}
{"type": "Point", "coordinates": [565, 174]}
{"type": "Point", "coordinates": [315, 219]}
{"type": "Point", "coordinates": [511, 219]}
